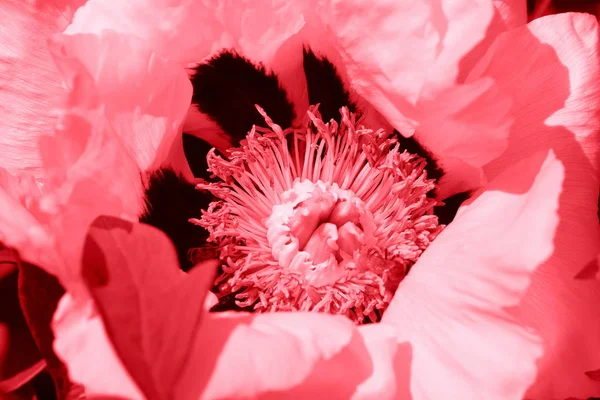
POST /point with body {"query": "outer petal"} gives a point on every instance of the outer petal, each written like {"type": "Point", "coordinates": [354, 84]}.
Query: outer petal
{"type": "Point", "coordinates": [556, 102]}
{"type": "Point", "coordinates": [136, 265]}
{"type": "Point", "coordinates": [452, 307]}
{"type": "Point", "coordinates": [255, 28]}
{"type": "Point", "coordinates": [228, 355]}
{"type": "Point", "coordinates": [88, 172]}
{"type": "Point", "coordinates": [550, 69]}
{"type": "Point", "coordinates": [19, 227]}
{"type": "Point", "coordinates": [30, 86]}
{"type": "Point", "coordinates": [393, 48]}
{"type": "Point", "coordinates": [145, 98]}
{"type": "Point", "coordinates": [413, 72]}
{"type": "Point", "coordinates": [81, 342]}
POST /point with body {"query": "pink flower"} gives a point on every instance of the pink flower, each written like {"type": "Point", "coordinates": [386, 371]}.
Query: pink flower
{"type": "Point", "coordinates": [491, 308]}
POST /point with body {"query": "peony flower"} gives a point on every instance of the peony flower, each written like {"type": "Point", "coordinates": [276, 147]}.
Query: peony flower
{"type": "Point", "coordinates": [487, 307]}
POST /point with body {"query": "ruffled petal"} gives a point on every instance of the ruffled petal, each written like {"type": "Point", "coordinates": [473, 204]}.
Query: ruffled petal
{"type": "Point", "coordinates": [396, 52]}
{"type": "Point", "coordinates": [550, 69]}
{"type": "Point", "coordinates": [145, 98]}
{"type": "Point", "coordinates": [30, 85]}
{"type": "Point", "coordinates": [188, 31]}
{"type": "Point", "coordinates": [452, 307]}
{"type": "Point", "coordinates": [561, 76]}
{"type": "Point", "coordinates": [88, 172]}
{"type": "Point", "coordinates": [19, 227]}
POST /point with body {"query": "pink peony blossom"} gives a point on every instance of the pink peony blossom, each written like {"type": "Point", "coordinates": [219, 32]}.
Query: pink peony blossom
{"type": "Point", "coordinates": [494, 307]}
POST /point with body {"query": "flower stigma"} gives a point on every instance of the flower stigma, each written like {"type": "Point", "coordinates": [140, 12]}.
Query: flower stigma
{"type": "Point", "coordinates": [328, 217]}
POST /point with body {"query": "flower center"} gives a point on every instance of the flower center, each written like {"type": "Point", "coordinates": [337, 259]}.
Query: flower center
{"type": "Point", "coordinates": [325, 218]}
{"type": "Point", "coordinates": [320, 231]}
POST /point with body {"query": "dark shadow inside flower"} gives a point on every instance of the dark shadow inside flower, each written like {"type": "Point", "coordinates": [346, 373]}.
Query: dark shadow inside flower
{"type": "Point", "coordinates": [171, 201]}
{"type": "Point", "coordinates": [227, 87]}
{"type": "Point", "coordinates": [325, 86]}
{"type": "Point", "coordinates": [19, 357]}
{"type": "Point", "coordinates": [39, 294]}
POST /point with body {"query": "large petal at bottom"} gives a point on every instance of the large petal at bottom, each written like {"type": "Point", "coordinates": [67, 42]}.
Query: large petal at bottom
{"type": "Point", "coordinates": [452, 307]}
{"type": "Point", "coordinates": [150, 315]}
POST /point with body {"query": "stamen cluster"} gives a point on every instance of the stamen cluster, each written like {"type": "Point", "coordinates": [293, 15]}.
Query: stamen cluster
{"type": "Point", "coordinates": [328, 217]}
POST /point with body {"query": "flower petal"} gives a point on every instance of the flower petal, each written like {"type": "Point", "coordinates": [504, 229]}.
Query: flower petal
{"type": "Point", "coordinates": [81, 342]}
{"type": "Point", "coordinates": [30, 85]}
{"type": "Point", "coordinates": [145, 98]}
{"type": "Point", "coordinates": [512, 12]}
{"type": "Point", "coordinates": [88, 173]}
{"type": "Point", "coordinates": [19, 228]}
{"type": "Point", "coordinates": [189, 30]}
{"type": "Point", "coordinates": [170, 355]}
{"type": "Point", "coordinates": [396, 50]}
{"type": "Point", "coordinates": [134, 264]}
{"type": "Point", "coordinates": [561, 76]}
{"type": "Point", "coordinates": [465, 127]}
{"type": "Point", "coordinates": [550, 69]}
{"type": "Point", "coordinates": [452, 306]}
{"type": "Point", "coordinates": [291, 355]}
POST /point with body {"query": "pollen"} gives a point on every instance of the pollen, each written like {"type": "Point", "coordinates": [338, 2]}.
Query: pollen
{"type": "Point", "coordinates": [327, 217]}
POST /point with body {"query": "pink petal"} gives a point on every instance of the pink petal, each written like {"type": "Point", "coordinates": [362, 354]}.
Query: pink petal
{"type": "Point", "coordinates": [562, 77]}
{"type": "Point", "coordinates": [88, 172]}
{"type": "Point", "coordinates": [103, 181]}
{"type": "Point", "coordinates": [508, 14]}
{"type": "Point", "coordinates": [145, 98]}
{"type": "Point", "coordinates": [19, 227]}
{"type": "Point", "coordinates": [550, 69]}
{"type": "Point", "coordinates": [452, 307]}
{"type": "Point", "coordinates": [287, 354]}
{"type": "Point", "coordinates": [30, 86]}
{"type": "Point", "coordinates": [135, 265]}
{"type": "Point", "coordinates": [293, 356]}
{"type": "Point", "coordinates": [564, 311]}
{"type": "Point", "coordinates": [151, 312]}
{"type": "Point", "coordinates": [189, 30]}
{"type": "Point", "coordinates": [81, 342]}
{"type": "Point", "coordinates": [512, 12]}
{"type": "Point", "coordinates": [465, 127]}
{"type": "Point", "coordinates": [396, 52]}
